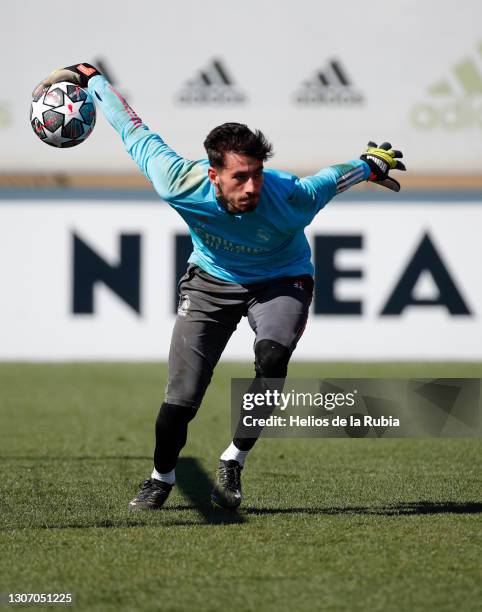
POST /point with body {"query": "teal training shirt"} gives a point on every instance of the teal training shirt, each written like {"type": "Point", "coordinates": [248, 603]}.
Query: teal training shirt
{"type": "Point", "coordinates": [268, 242]}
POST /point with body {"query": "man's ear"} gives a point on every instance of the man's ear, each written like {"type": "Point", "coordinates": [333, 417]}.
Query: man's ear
{"type": "Point", "coordinates": [213, 175]}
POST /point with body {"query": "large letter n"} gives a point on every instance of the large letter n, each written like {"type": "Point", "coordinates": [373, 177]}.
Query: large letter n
{"type": "Point", "coordinates": [122, 278]}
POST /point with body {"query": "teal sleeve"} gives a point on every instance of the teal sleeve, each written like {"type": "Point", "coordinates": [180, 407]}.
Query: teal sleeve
{"type": "Point", "coordinates": [314, 192]}
{"type": "Point", "coordinates": [170, 174]}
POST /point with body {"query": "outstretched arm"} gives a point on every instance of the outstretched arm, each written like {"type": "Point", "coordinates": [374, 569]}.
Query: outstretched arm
{"type": "Point", "coordinates": [170, 173]}
{"type": "Point", "coordinates": [314, 192]}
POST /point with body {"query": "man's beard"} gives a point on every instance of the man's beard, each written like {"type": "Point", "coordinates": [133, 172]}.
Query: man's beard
{"type": "Point", "coordinates": [232, 209]}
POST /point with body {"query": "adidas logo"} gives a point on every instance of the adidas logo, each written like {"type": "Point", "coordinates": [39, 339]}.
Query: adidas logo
{"type": "Point", "coordinates": [329, 86]}
{"type": "Point", "coordinates": [456, 102]}
{"type": "Point", "coordinates": [213, 85]}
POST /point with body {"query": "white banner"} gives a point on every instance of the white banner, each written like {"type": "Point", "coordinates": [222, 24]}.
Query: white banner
{"type": "Point", "coordinates": [320, 79]}
{"type": "Point", "coordinates": [95, 280]}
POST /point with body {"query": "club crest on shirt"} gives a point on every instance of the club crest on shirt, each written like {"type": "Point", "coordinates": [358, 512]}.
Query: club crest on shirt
{"type": "Point", "coordinates": [262, 235]}
{"type": "Point", "coordinates": [184, 304]}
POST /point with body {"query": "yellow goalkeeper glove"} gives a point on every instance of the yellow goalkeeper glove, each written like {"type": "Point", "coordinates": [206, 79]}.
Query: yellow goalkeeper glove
{"type": "Point", "coordinates": [381, 160]}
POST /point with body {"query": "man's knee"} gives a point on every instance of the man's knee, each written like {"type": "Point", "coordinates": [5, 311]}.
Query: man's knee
{"type": "Point", "coordinates": [271, 359]}
{"type": "Point", "coordinates": [172, 414]}
{"type": "Point", "coordinates": [187, 389]}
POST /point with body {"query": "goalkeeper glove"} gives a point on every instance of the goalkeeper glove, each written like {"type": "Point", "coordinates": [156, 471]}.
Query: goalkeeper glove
{"type": "Point", "coordinates": [78, 74]}
{"type": "Point", "coordinates": [381, 160]}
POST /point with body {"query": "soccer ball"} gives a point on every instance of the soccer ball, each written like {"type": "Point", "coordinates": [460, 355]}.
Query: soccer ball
{"type": "Point", "coordinates": [63, 115]}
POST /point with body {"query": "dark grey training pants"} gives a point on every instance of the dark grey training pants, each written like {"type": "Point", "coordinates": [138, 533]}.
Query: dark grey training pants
{"type": "Point", "coordinates": [209, 312]}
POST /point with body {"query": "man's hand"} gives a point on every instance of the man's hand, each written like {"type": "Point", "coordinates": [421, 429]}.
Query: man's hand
{"type": "Point", "coordinates": [381, 160]}
{"type": "Point", "coordinates": [78, 74]}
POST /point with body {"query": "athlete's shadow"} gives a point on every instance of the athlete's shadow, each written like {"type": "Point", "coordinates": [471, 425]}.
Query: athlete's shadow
{"type": "Point", "coordinates": [401, 509]}
{"type": "Point", "coordinates": [196, 486]}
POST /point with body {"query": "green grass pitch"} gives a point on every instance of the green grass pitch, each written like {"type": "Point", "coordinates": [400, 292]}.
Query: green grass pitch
{"type": "Point", "coordinates": [388, 524]}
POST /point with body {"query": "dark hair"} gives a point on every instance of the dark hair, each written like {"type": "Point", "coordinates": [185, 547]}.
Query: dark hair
{"type": "Point", "coordinates": [236, 138]}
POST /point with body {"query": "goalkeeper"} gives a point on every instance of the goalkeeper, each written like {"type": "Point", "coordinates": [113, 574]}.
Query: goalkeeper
{"type": "Point", "coordinates": [250, 258]}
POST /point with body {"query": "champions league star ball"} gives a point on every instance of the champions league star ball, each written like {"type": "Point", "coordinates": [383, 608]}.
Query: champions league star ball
{"type": "Point", "coordinates": [63, 115]}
